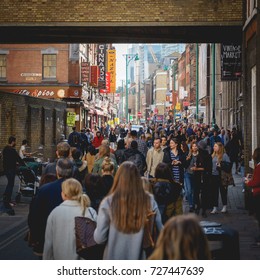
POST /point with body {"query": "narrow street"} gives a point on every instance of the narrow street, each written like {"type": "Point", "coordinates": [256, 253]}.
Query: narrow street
{"type": "Point", "coordinates": [14, 228]}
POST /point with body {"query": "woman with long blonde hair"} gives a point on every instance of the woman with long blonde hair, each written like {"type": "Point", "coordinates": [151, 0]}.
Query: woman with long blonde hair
{"type": "Point", "coordinates": [104, 151]}
{"type": "Point", "coordinates": [182, 238]}
{"type": "Point", "coordinates": [122, 215]}
{"type": "Point", "coordinates": [60, 240]}
{"type": "Point", "coordinates": [218, 156]}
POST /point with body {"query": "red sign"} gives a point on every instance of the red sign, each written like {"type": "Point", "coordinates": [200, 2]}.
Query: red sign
{"type": "Point", "coordinates": [94, 73]}
{"type": "Point", "coordinates": [108, 81]}
{"type": "Point", "coordinates": [139, 114]}
{"type": "Point", "coordinates": [186, 103]}
{"type": "Point", "coordinates": [156, 110]}
{"type": "Point", "coordinates": [85, 69]}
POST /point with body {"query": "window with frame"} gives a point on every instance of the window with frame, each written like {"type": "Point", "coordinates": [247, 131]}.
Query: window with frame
{"type": "Point", "coordinates": [49, 66]}
{"type": "Point", "coordinates": [2, 66]}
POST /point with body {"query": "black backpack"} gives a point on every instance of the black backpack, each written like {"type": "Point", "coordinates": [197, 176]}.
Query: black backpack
{"type": "Point", "coordinates": [75, 139]}
{"type": "Point", "coordinates": [138, 162]}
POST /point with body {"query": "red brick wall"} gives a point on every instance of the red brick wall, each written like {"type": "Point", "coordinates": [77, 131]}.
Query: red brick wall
{"type": "Point", "coordinates": [33, 119]}
{"type": "Point", "coordinates": [27, 58]}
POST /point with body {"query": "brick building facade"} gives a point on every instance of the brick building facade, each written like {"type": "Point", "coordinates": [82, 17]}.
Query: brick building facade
{"type": "Point", "coordinates": [40, 121]}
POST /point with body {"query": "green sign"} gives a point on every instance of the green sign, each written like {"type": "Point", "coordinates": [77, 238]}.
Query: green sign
{"type": "Point", "coordinates": [131, 118]}
{"type": "Point", "coordinates": [71, 118]}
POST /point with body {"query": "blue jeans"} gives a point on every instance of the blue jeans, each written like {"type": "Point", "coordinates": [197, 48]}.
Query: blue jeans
{"type": "Point", "coordinates": [10, 175]}
{"type": "Point", "coordinates": [189, 187]}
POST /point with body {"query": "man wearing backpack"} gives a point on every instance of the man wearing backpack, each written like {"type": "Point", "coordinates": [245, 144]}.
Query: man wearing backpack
{"type": "Point", "coordinates": [74, 139]}
{"type": "Point", "coordinates": [132, 154]}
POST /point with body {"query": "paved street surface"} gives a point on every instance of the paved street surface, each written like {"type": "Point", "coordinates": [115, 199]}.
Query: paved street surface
{"type": "Point", "coordinates": [13, 228]}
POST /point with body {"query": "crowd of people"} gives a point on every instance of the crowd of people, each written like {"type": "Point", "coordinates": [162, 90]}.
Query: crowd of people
{"type": "Point", "coordinates": [117, 176]}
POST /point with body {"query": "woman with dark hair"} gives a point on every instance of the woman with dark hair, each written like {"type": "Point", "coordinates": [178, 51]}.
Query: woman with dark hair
{"type": "Point", "coordinates": [166, 191]}
{"type": "Point", "coordinates": [202, 178]}
{"type": "Point", "coordinates": [119, 153]}
{"type": "Point", "coordinates": [254, 183]}
{"type": "Point", "coordinates": [123, 214]}
{"type": "Point", "coordinates": [175, 158]}
{"type": "Point", "coordinates": [94, 189]}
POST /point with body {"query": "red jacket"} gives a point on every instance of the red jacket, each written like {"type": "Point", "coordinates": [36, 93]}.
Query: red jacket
{"type": "Point", "coordinates": [255, 182]}
{"type": "Point", "coordinates": [97, 141]}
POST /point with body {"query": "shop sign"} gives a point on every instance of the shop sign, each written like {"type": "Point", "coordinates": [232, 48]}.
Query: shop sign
{"type": "Point", "coordinates": [71, 118]}
{"type": "Point", "coordinates": [35, 92]}
{"type": "Point", "coordinates": [108, 81]}
{"type": "Point", "coordinates": [101, 62]}
{"type": "Point", "coordinates": [94, 72]}
{"type": "Point", "coordinates": [47, 92]}
{"type": "Point", "coordinates": [111, 68]}
{"type": "Point", "coordinates": [231, 62]}
{"type": "Point", "coordinates": [85, 71]}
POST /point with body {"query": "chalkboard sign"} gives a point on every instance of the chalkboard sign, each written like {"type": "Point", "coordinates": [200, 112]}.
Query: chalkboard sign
{"type": "Point", "coordinates": [231, 62]}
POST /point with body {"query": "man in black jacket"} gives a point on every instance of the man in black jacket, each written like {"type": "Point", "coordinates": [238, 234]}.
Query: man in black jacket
{"type": "Point", "coordinates": [132, 154]}
{"type": "Point", "coordinates": [10, 159]}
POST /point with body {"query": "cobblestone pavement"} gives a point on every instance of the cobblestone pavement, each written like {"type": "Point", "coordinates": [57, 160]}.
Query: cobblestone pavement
{"type": "Point", "coordinates": [237, 218]}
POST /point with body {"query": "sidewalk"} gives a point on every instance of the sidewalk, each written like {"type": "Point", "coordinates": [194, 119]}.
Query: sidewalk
{"type": "Point", "coordinates": [237, 218]}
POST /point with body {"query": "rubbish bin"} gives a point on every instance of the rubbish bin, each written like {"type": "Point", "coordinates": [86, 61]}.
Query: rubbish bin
{"type": "Point", "coordinates": [223, 241]}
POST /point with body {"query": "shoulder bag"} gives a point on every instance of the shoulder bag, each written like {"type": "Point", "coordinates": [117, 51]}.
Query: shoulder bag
{"type": "Point", "coordinates": [150, 234]}
{"type": "Point", "coordinates": [86, 246]}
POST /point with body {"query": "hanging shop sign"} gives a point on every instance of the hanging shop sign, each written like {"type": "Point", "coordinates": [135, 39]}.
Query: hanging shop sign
{"type": "Point", "coordinates": [231, 62]}
{"type": "Point", "coordinates": [101, 62]}
{"type": "Point", "coordinates": [94, 74]}
{"type": "Point", "coordinates": [85, 72]}
{"type": "Point", "coordinates": [111, 68]}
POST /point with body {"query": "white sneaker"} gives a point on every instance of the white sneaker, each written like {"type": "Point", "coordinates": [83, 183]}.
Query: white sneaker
{"type": "Point", "coordinates": [224, 209]}
{"type": "Point", "coordinates": [214, 211]}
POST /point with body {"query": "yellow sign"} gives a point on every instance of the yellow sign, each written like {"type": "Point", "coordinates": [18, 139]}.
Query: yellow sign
{"type": "Point", "coordinates": [71, 118]}
{"type": "Point", "coordinates": [178, 106]}
{"type": "Point", "coordinates": [111, 68]}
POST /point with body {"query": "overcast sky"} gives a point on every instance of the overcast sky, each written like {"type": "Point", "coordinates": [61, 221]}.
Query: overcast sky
{"type": "Point", "coordinates": [120, 63]}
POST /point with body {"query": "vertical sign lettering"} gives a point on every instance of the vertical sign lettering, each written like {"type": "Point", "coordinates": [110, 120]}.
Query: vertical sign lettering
{"type": "Point", "coordinates": [85, 69]}
{"type": "Point", "coordinates": [101, 62]}
{"type": "Point", "coordinates": [111, 68]}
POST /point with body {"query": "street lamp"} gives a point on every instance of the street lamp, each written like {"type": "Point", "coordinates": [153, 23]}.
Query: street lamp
{"type": "Point", "coordinates": [128, 58]}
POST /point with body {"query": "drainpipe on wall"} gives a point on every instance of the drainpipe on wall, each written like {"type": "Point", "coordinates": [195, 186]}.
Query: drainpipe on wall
{"type": "Point", "coordinates": [213, 82]}
{"type": "Point", "coordinates": [197, 82]}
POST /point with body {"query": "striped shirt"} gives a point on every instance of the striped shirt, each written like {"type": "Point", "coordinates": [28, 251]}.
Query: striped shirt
{"type": "Point", "coordinates": [175, 168]}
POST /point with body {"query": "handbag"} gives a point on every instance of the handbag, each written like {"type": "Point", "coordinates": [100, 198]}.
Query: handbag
{"type": "Point", "coordinates": [150, 234]}
{"type": "Point", "coordinates": [86, 246]}
{"type": "Point", "coordinates": [225, 166]}
{"type": "Point", "coordinates": [226, 178]}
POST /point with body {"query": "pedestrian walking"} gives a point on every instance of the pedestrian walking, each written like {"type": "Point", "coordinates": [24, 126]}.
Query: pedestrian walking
{"type": "Point", "coordinates": [218, 157]}
{"type": "Point", "coordinates": [10, 160]}
{"type": "Point", "coordinates": [47, 198]}
{"type": "Point", "coordinates": [74, 138]}
{"type": "Point", "coordinates": [122, 215]}
{"type": "Point", "coordinates": [154, 157]}
{"type": "Point", "coordinates": [60, 238]}
{"type": "Point", "coordinates": [166, 191]}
